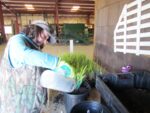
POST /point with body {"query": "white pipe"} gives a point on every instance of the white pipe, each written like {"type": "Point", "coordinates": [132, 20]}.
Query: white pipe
{"type": "Point", "coordinates": [71, 46]}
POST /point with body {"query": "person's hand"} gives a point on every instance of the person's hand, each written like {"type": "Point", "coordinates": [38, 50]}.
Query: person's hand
{"type": "Point", "coordinates": [65, 69]}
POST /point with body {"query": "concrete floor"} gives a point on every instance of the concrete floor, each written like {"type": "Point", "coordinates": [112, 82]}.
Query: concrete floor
{"type": "Point", "coordinates": [54, 106]}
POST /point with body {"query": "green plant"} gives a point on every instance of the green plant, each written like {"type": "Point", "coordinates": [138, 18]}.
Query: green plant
{"type": "Point", "coordinates": [83, 67]}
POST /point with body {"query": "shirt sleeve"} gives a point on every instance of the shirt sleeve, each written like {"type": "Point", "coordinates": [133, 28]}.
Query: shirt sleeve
{"type": "Point", "coordinates": [20, 54]}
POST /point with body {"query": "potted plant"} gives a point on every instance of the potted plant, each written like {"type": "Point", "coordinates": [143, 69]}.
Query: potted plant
{"type": "Point", "coordinates": [84, 68]}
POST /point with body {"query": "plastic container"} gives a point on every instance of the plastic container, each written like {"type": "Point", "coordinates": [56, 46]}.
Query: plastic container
{"type": "Point", "coordinates": [126, 92]}
{"type": "Point", "coordinates": [73, 99]}
{"type": "Point", "coordinates": [126, 69]}
{"type": "Point", "coordinates": [79, 95]}
{"type": "Point", "coordinates": [57, 81]}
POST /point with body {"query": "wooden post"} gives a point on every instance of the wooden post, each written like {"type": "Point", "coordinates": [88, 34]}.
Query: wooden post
{"type": "Point", "coordinates": [88, 20]}
{"type": "Point", "coordinates": [16, 25]}
{"type": "Point", "coordinates": [56, 20]}
{"type": "Point", "coordinates": [2, 31]}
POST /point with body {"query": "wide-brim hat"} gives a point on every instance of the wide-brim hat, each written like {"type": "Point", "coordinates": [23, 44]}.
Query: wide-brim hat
{"type": "Point", "coordinates": [44, 25]}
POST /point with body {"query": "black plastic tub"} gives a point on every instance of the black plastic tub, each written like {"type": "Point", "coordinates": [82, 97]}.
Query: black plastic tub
{"type": "Point", "coordinates": [133, 98]}
{"type": "Point", "coordinates": [77, 96]}
{"type": "Point", "coordinates": [71, 99]}
{"type": "Point", "coordinates": [90, 107]}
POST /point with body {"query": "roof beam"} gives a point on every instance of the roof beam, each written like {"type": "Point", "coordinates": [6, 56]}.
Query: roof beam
{"type": "Point", "coordinates": [50, 8]}
{"type": "Point", "coordinates": [61, 1]}
{"type": "Point", "coordinates": [61, 7]}
{"type": "Point", "coordinates": [47, 3]}
{"type": "Point", "coordinates": [77, 1]}
{"type": "Point", "coordinates": [28, 1]}
{"type": "Point", "coordinates": [11, 11]}
{"type": "Point", "coordinates": [50, 12]}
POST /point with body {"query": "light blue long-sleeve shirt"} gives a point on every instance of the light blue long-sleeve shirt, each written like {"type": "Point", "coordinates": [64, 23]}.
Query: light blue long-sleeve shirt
{"type": "Point", "coordinates": [19, 54]}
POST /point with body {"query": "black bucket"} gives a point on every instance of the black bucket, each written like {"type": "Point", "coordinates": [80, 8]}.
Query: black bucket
{"type": "Point", "coordinates": [71, 99]}
{"type": "Point", "coordinates": [89, 107]}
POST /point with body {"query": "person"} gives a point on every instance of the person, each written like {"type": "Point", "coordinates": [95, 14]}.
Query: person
{"type": "Point", "coordinates": [21, 67]}
{"type": "Point", "coordinates": [52, 40]}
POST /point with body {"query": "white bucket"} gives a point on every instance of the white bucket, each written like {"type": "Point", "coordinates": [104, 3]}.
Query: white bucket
{"type": "Point", "coordinates": [54, 80]}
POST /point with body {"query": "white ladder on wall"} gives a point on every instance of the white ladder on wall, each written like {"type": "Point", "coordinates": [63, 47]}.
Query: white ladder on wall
{"type": "Point", "coordinates": [132, 32]}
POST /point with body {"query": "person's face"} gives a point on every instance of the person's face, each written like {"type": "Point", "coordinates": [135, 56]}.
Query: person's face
{"type": "Point", "coordinates": [41, 39]}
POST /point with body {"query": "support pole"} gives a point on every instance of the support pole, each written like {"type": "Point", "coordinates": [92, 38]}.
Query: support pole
{"type": "Point", "coordinates": [71, 46]}
{"type": "Point", "coordinates": [2, 31]}
{"type": "Point", "coordinates": [16, 25]}
{"type": "Point", "coordinates": [88, 20]}
{"type": "Point", "coordinates": [56, 20]}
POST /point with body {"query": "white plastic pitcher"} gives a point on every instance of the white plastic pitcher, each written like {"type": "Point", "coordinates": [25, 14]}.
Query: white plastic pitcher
{"type": "Point", "coordinates": [55, 80]}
